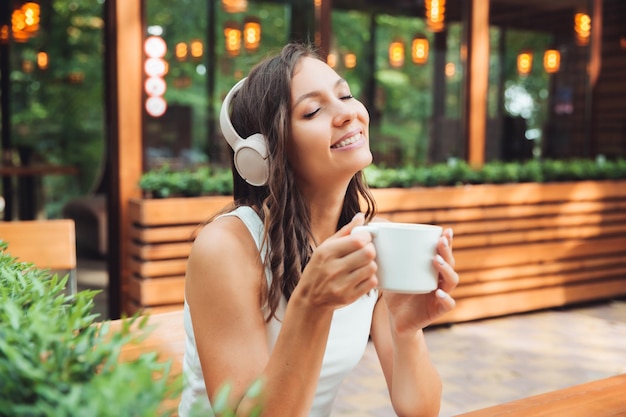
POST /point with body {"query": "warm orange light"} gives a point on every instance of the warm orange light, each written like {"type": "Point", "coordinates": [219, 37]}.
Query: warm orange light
{"type": "Point", "coordinates": [435, 14]}
{"type": "Point", "coordinates": [232, 37]}
{"type": "Point", "coordinates": [551, 61]}
{"type": "Point", "coordinates": [235, 6]}
{"type": "Point", "coordinates": [31, 12]}
{"type": "Point", "coordinates": [181, 51]}
{"type": "Point", "coordinates": [524, 63]}
{"type": "Point", "coordinates": [582, 27]}
{"type": "Point", "coordinates": [396, 54]}
{"type": "Point", "coordinates": [25, 21]}
{"type": "Point", "coordinates": [251, 34]}
{"type": "Point", "coordinates": [42, 60]}
{"type": "Point", "coordinates": [4, 33]}
{"type": "Point", "coordinates": [450, 69]}
{"type": "Point", "coordinates": [349, 60]}
{"type": "Point", "coordinates": [331, 60]}
{"type": "Point", "coordinates": [197, 49]}
{"type": "Point", "coordinates": [419, 50]}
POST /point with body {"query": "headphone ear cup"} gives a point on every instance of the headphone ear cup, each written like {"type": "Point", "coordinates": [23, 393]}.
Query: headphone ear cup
{"type": "Point", "coordinates": [251, 160]}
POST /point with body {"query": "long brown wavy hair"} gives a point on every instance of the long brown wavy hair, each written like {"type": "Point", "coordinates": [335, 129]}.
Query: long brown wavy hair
{"type": "Point", "coordinates": [263, 105]}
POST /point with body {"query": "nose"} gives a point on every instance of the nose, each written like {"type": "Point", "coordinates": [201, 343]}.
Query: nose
{"type": "Point", "coordinates": [345, 113]}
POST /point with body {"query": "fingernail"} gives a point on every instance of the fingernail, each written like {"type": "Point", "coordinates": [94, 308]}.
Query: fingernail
{"type": "Point", "coordinates": [445, 242]}
{"type": "Point", "coordinates": [451, 233]}
{"type": "Point", "coordinates": [440, 293]}
{"type": "Point", "coordinates": [439, 260]}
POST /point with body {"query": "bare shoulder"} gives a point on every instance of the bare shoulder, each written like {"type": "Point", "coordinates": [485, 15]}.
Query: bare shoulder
{"type": "Point", "coordinates": [223, 257]}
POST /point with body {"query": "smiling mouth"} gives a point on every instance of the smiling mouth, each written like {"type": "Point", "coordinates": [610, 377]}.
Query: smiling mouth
{"type": "Point", "coordinates": [347, 142]}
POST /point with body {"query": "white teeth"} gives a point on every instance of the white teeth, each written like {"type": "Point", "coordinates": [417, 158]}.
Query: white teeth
{"type": "Point", "coordinates": [347, 142]}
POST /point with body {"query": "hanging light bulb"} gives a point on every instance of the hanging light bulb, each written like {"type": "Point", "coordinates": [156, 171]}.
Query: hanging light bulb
{"type": "Point", "coordinates": [251, 34]}
{"type": "Point", "coordinates": [435, 14]}
{"type": "Point", "coordinates": [524, 63]}
{"type": "Point", "coordinates": [349, 60]}
{"type": "Point", "coordinates": [551, 61]}
{"type": "Point", "coordinates": [582, 28]}
{"type": "Point", "coordinates": [419, 50]}
{"type": "Point", "coordinates": [232, 38]}
{"type": "Point", "coordinates": [396, 54]}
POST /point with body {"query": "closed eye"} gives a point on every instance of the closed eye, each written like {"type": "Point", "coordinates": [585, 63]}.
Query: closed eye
{"type": "Point", "coordinates": [347, 97]}
{"type": "Point", "coordinates": [311, 114]}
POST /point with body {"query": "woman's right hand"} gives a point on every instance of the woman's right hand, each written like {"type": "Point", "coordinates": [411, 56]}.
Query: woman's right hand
{"type": "Point", "coordinates": [341, 269]}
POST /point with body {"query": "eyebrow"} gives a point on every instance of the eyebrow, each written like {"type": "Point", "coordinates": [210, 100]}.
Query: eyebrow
{"type": "Point", "coordinates": [317, 92]}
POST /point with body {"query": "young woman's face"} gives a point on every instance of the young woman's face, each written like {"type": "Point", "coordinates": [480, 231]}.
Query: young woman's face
{"type": "Point", "coordinates": [330, 136]}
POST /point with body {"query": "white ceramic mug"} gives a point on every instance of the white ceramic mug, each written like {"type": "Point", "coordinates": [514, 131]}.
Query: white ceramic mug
{"type": "Point", "coordinates": [404, 255]}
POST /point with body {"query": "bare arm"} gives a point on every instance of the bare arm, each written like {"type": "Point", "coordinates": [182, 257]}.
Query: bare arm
{"type": "Point", "coordinates": [223, 285]}
{"type": "Point", "coordinates": [414, 383]}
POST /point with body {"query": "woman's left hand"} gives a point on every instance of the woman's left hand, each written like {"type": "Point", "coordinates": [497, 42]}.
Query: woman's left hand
{"type": "Point", "coordinates": [413, 312]}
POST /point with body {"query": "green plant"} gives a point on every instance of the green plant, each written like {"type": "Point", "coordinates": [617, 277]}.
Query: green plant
{"type": "Point", "coordinates": [164, 182]}
{"type": "Point", "coordinates": [459, 173]}
{"type": "Point", "coordinates": [55, 361]}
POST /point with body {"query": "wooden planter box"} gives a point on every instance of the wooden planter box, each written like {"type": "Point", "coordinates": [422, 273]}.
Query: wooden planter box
{"type": "Point", "coordinates": [518, 247]}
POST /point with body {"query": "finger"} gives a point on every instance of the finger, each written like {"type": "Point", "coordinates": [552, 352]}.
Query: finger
{"type": "Point", "coordinates": [444, 249]}
{"type": "Point", "coordinates": [448, 277]}
{"type": "Point", "coordinates": [449, 235]}
{"type": "Point", "coordinates": [446, 303]}
{"type": "Point", "coordinates": [357, 220]}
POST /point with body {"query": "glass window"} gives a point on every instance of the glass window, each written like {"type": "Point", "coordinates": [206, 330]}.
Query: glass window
{"type": "Point", "coordinates": [538, 101]}
{"type": "Point", "coordinates": [210, 46]}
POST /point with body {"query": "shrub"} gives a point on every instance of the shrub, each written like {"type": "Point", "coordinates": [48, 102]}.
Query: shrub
{"type": "Point", "coordinates": [55, 361]}
{"type": "Point", "coordinates": [165, 182]}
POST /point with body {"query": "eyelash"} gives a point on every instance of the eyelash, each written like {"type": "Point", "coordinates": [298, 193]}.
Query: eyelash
{"type": "Point", "coordinates": [313, 113]}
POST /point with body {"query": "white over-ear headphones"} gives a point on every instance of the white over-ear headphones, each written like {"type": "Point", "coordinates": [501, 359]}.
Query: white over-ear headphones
{"type": "Point", "coordinates": [251, 154]}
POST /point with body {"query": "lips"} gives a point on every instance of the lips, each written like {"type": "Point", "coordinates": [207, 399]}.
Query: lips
{"type": "Point", "coordinates": [347, 140]}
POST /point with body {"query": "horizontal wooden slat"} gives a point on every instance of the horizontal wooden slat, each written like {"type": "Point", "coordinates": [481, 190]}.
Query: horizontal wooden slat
{"type": "Point", "coordinates": [157, 291]}
{"type": "Point", "coordinates": [164, 233]}
{"type": "Point", "coordinates": [543, 268]}
{"type": "Point", "coordinates": [168, 211]}
{"type": "Point", "coordinates": [539, 298]}
{"type": "Point", "coordinates": [398, 199]}
{"type": "Point", "coordinates": [158, 268]}
{"type": "Point", "coordinates": [538, 252]}
{"type": "Point", "coordinates": [160, 250]}
{"type": "Point", "coordinates": [508, 212]}
{"type": "Point", "coordinates": [522, 284]}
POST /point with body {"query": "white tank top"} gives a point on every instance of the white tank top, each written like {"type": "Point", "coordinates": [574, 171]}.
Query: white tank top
{"type": "Point", "coordinates": [347, 340]}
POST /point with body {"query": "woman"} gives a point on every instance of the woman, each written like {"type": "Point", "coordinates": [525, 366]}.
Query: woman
{"type": "Point", "coordinates": [277, 288]}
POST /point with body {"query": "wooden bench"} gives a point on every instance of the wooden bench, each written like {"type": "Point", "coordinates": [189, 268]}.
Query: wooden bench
{"type": "Point", "coordinates": [601, 398]}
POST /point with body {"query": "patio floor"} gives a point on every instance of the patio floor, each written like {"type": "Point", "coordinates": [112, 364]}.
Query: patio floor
{"type": "Point", "coordinates": [485, 362]}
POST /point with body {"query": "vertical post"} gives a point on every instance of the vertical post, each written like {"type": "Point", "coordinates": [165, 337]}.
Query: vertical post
{"type": "Point", "coordinates": [124, 77]}
{"type": "Point", "coordinates": [212, 148]}
{"type": "Point", "coordinates": [324, 25]}
{"type": "Point", "coordinates": [477, 80]}
{"type": "Point", "coordinates": [5, 104]}
{"type": "Point", "coordinates": [439, 48]}
{"type": "Point", "coordinates": [302, 26]}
